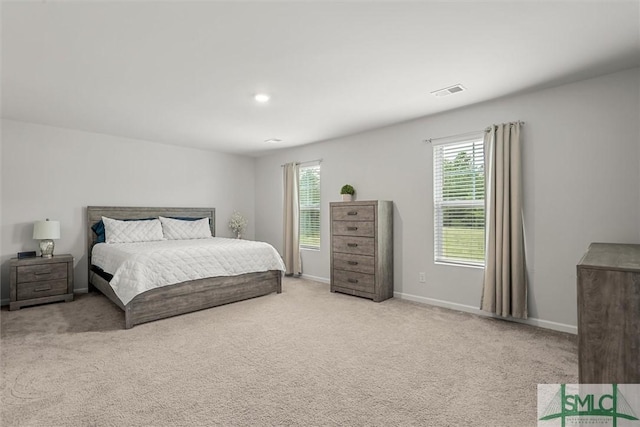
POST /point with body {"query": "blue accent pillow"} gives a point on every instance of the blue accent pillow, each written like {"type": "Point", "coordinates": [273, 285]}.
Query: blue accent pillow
{"type": "Point", "coordinates": [187, 218]}
{"type": "Point", "coordinates": [98, 228]}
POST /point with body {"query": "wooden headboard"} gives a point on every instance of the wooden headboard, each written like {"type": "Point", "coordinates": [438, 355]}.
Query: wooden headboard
{"type": "Point", "coordinates": [95, 214]}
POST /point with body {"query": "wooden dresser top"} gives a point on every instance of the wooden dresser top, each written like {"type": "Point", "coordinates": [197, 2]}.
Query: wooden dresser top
{"type": "Point", "coordinates": [612, 256]}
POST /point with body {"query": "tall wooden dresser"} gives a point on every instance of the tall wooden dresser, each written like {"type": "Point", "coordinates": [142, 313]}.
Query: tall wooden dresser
{"type": "Point", "coordinates": [362, 249]}
{"type": "Point", "coordinates": [609, 314]}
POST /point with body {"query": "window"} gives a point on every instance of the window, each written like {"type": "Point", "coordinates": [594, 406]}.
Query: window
{"type": "Point", "coordinates": [310, 207]}
{"type": "Point", "coordinates": [458, 184]}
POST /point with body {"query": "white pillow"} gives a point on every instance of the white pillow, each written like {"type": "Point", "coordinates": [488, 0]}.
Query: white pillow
{"type": "Point", "coordinates": [180, 229]}
{"type": "Point", "coordinates": [117, 231]}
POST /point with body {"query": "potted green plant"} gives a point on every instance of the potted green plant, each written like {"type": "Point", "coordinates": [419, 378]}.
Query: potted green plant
{"type": "Point", "coordinates": [347, 192]}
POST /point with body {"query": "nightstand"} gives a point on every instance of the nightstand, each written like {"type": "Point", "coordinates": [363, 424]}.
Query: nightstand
{"type": "Point", "coordinates": [40, 280]}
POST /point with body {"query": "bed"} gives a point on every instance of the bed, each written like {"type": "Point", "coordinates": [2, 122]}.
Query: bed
{"type": "Point", "coordinates": [179, 298]}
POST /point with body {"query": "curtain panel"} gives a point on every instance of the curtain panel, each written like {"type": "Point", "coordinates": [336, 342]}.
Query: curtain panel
{"type": "Point", "coordinates": [291, 219]}
{"type": "Point", "coordinates": [505, 279]}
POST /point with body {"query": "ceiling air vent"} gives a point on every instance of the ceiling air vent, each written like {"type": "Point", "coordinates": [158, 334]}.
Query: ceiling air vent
{"type": "Point", "coordinates": [449, 90]}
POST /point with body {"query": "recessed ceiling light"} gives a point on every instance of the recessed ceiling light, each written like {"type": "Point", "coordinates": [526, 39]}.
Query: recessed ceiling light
{"type": "Point", "coordinates": [261, 97]}
{"type": "Point", "coordinates": [449, 90]}
{"type": "Point", "coordinates": [273, 141]}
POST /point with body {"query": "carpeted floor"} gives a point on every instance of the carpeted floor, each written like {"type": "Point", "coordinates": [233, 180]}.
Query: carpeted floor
{"type": "Point", "coordinates": [303, 357]}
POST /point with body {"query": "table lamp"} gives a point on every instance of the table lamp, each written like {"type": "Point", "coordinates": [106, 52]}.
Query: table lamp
{"type": "Point", "coordinates": [46, 231]}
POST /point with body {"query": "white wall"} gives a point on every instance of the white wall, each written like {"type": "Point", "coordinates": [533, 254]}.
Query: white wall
{"type": "Point", "coordinates": [582, 184]}
{"type": "Point", "coordinates": [2, 280]}
{"type": "Point", "coordinates": [55, 173]}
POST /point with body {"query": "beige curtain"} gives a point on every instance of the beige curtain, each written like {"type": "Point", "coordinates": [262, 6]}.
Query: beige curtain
{"type": "Point", "coordinates": [291, 210]}
{"type": "Point", "coordinates": [505, 283]}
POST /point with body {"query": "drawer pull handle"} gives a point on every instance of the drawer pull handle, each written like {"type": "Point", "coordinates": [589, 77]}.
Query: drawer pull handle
{"type": "Point", "coordinates": [352, 213]}
{"type": "Point", "coordinates": [352, 245]}
{"type": "Point", "coordinates": [352, 228]}
{"type": "Point", "coordinates": [42, 289]}
{"type": "Point", "coordinates": [353, 262]}
{"type": "Point", "coordinates": [352, 280]}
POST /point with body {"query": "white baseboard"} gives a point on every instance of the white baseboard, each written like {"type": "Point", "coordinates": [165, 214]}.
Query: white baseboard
{"type": "Point", "coordinates": [470, 309]}
{"type": "Point", "coordinates": [315, 278]}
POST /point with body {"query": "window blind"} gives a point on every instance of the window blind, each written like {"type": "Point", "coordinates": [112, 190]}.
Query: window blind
{"type": "Point", "coordinates": [310, 206]}
{"type": "Point", "coordinates": [459, 213]}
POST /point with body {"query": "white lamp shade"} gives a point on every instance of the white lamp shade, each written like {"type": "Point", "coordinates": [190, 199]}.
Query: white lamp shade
{"type": "Point", "coordinates": [46, 230]}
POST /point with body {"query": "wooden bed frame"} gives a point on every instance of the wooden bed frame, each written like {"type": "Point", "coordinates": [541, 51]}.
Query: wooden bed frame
{"type": "Point", "coordinates": [184, 297]}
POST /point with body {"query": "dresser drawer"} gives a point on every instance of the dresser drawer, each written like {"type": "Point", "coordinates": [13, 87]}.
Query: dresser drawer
{"type": "Point", "coordinates": [356, 281]}
{"type": "Point", "coordinates": [41, 289]}
{"type": "Point", "coordinates": [358, 263]}
{"type": "Point", "coordinates": [354, 245]}
{"type": "Point", "coordinates": [353, 213]}
{"type": "Point", "coordinates": [34, 273]}
{"type": "Point", "coordinates": [353, 228]}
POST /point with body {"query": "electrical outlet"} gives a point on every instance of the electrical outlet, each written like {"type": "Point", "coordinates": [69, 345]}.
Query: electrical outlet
{"type": "Point", "coordinates": [422, 277]}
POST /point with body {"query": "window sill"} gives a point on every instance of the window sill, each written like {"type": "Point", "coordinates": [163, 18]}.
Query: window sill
{"type": "Point", "coordinates": [310, 249]}
{"type": "Point", "coordinates": [459, 264]}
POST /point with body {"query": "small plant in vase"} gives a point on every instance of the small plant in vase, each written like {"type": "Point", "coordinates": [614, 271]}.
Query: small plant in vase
{"type": "Point", "coordinates": [347, 192]}
{"type": "Point", "coordinates": [237, 224]}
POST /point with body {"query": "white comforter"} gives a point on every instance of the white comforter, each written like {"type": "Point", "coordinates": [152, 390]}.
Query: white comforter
{"type": "Point", "coordinates": [138, 267]}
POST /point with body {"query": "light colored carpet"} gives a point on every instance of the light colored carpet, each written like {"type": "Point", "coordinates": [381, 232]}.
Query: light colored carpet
{"type": "Point", "coordinates": [303, 357]}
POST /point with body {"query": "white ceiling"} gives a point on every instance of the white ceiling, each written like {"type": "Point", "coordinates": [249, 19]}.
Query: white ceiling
{"type": "Point", "coordinates": [185, 72]}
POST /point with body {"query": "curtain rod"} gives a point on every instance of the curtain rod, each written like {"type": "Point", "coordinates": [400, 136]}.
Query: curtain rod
{"type": "Point", "coordinates": [304, 163]}
{"type": "Point", "coordinates": [467, 133]}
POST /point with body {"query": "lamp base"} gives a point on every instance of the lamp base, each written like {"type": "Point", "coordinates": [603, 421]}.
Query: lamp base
{"type": "Point", "coordinates": [46, 248]}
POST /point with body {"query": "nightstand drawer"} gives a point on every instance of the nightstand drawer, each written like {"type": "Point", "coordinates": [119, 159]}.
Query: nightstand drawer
{"type": "Point", "coordinates": [353, 213]}
{"type": "Point", "coordinates": [357, 281]}
{"type": "Point", "coordinates": [359, 263]}
{"type": "Point", "coordinates": [34, 273]}
{"type": "Point", "coordinates": [353, 228]}
{"type": "Point", "coordinates": [354, 245]}
{"type": "Point", "coordinates": [41, 289]}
